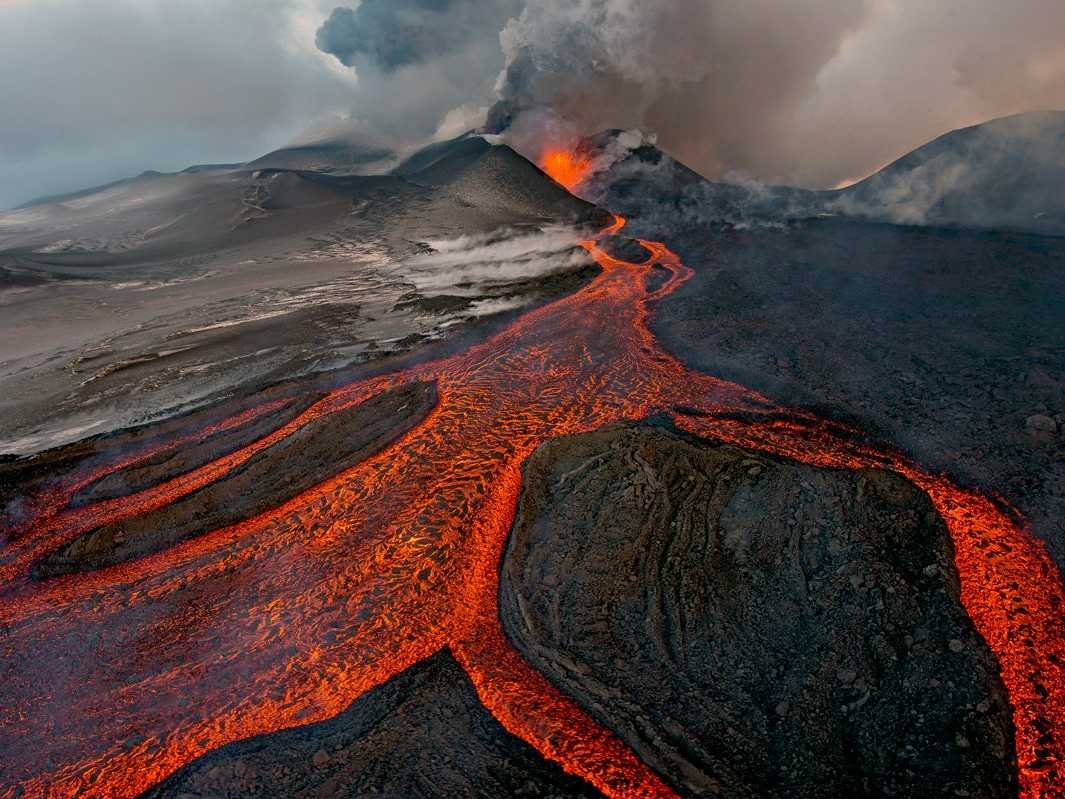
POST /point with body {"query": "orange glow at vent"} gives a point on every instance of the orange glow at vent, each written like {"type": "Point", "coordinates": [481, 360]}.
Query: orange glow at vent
{"type": "Point", "coordinates": [566, 167]}
{"type": "Point", "coordinates": [114, 679]}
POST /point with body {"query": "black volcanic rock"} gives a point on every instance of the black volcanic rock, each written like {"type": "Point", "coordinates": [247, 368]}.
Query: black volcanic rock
{"type": "Point", "coordinates": [1005, 174]}
{"type": "Point", "coordinates": [320, 449]}
{"type": "Point", "coordinates": [658, 193]}
{"type": "Point", "coordinates": [173, 462]}
{"type": "Point", "coordinates": [941, 342]}
{"type": "Point", "coordinates": [422, 734]}
{"type": "Point", "coordinates": [754, 627]}
{"type": "Point", "coordinates": [624, 249]}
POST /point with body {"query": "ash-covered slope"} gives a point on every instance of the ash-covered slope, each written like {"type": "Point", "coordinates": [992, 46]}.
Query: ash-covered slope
{"type": "Point", "coordinates": [658, 192]}
{"type": "Point", "coordinates": [157, 293]}
{"type": "Point", "coordinates": [330, 155]}
{"type": "Point", "coordinates": [208, 208]}
{"type": "Point", "coordinates": [1004, 174]}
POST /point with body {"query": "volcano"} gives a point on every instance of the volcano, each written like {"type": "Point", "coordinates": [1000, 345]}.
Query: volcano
{"type": "Point", "coordinates": [487, 477]}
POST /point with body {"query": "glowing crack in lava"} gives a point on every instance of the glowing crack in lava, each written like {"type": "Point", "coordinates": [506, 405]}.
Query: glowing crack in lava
{"type": "Point", "coordinates": [114, 679]}
{"type": "Point", "coordinates": [567, 167]}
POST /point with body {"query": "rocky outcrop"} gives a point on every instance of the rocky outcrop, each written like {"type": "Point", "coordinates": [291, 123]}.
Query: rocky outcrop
{"type": "Point", "coordinates": [755, 627]}
{"type": "Point", "coordinates": [172, 462]}
{"type": "Point", "coordinates": [422, 734]}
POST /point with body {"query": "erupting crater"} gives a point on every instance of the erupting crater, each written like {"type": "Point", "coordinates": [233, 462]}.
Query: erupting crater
{"type": "Point", "coordinates": [566, 166]}
{"type": "Point", "coordinates": [115, 678]}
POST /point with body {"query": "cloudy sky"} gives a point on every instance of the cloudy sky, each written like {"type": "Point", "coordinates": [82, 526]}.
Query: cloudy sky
{"type": "Point", "coordinates": [812, 92]}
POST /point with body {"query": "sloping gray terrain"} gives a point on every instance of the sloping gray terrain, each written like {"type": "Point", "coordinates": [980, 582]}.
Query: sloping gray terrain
{"type": "Point", "coordinates": [422, 734]}
{"type": "Point", "coordinates": [160, 293]}
{"type": "Point", "coordinates": [1006, 174]}
{"type": "Point", "coordinates": [754, 627]}
{"type": "Point", "coordinates": [329, 155]}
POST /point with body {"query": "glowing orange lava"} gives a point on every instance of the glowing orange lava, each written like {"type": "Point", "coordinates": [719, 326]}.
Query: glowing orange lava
{"type": "Point", "coordinates": [566, 167]}
{"type": "Point", "coordinates": [114, 679]}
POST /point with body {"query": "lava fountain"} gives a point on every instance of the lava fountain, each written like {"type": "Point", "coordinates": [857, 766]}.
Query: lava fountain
{"type": "Point", "coordinates": [567, 167]}
{"type": "Point", "coordinates": [115, 678]}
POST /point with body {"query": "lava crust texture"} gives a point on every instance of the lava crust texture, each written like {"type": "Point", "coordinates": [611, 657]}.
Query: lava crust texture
{"type": "Point", "coordinates": [422, 734]}
{"type": "Point", "coordinates": [753, 626]}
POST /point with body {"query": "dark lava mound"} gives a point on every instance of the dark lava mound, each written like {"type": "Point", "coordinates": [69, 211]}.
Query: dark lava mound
{"type": "Point", "coordinates": [755, 627]}
{"type": "Point", "coordinates": [422, 734]}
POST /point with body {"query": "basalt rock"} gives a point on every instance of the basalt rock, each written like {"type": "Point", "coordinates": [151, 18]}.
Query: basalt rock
{"type": "Point", "coordinates": [755, 627]}
{"type": "Point", "coordinates": [624, 249]}
{"type": "Point", "coordinates": [172, 462]}
{"type": "Point", "coordinates": [320, 449]}
{"type": "Point", "coordinates": [422, 734]}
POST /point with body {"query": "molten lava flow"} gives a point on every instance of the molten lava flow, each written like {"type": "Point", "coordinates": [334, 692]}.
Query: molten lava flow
{"type": "Point", "coordinates": [567, 167]}
{"type": "Point", "coordinates": [116, 678]}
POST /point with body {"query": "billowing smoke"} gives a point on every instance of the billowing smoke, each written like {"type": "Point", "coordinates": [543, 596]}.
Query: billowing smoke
{"type": "Point", "coordinates": [810, 93]}
{"type": "Point", "coordinates": [422, 65]}
{"type": "Point", "coordinates": [390, 34]}
{"type": "Point", "coordinates": [716, 80]}
{"type": "Point", "coordinates": [496, 258]}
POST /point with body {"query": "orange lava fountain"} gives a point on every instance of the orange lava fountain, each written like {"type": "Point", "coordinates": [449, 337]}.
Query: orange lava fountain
{"type": "Point", "coordinates": [114, 679]}
{"type": "Point", "coordinates": [566, 167]}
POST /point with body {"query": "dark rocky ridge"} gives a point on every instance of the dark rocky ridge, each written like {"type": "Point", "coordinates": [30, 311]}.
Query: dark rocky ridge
{"type": "Point", "coordinates": [332, 155]}
{"type": "Point", "coordinates": [23, 477]}
{"type": "Point", "coordinates": [1005, 174]}
{"type": "Point", "coordinates": [754, 627]}
{"type": "Point", "coordinates": [321, 448]}
{"type": "Point", "coordinates": [172, 462]}
{"type": "Point", "coordinates": [945, 343]}
{"type": "Point", "coordinates": [624, 249]}
{"type": "Point", "coordinates": [422, 734]}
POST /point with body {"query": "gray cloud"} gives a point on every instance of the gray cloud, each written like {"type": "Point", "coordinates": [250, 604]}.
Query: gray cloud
{"type": "Point", "coordinates": [811, 93]}
{"type": "Point", "coordinates": [389, 34]}
{"type": "Point", "coordinates": [92, 92]}
{"type": "Point", "coordinates": [418, 59]}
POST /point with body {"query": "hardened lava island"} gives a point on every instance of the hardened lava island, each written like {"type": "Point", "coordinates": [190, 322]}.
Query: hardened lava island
{"type": "Point", "coordinates": [479, 476]}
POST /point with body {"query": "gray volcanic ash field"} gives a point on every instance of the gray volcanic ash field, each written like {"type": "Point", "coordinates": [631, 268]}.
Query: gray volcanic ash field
{"type": "Point", "coordinates": [164, 292]}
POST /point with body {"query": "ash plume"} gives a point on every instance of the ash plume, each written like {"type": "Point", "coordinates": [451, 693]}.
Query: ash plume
{"type": "Point", "coordinates": [391, 34]}
{"type": "Point", "coordinates": [811, 94]}
{"type": "Point", "coordinates": [424, 67]}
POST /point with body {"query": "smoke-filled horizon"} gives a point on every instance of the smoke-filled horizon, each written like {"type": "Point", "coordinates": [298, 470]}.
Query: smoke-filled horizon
{"type": "Point", "coordinates": [812, 94]}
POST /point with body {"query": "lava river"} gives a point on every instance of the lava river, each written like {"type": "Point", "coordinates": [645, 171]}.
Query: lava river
{"type": "Point", "coordinates": [115, 678]}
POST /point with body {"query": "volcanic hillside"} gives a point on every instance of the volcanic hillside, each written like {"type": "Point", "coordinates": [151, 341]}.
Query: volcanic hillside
{"type": "Point", "coordinates": [124, 302]}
